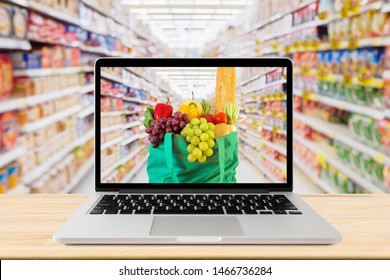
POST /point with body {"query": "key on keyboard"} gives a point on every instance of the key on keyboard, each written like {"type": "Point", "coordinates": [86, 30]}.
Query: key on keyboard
{"type": "Point", "coordinates": [194, 204]}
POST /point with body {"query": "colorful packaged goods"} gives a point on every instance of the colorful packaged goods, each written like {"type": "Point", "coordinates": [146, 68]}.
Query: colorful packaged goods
{"type": "Point", "coordinates": [9, 131]}
{"type": "Point", "coordinates": [9, 177]}
{"type": "Point", "coordinates": [5, 20]}
{"type": "Point", "coordinates": [3, 180]}
{"type": "Point", "coordinates": [46, 57]}
{"type": "Point", "coordinates": [275, 75]}
{"type": "Point", "coordinates": [12, 173]}
{"type": "Point", "coordinates": [13, 21]}
{"type": "Point", "coordinates": [6, 77]}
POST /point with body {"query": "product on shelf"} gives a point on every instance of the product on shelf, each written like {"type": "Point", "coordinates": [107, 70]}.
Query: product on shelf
{"type": "Point", "coordinates": [88, 59]}
{"type": "Point", "coordinates": [3, 181]}
{"type": "Point", "coordinates": [43, 29]}
{"type": "Point", "coordinates": [46, 109]}
{"type": "Point", "coordinates": [109, 104]}
{"type": "Point", "coordinates": [6, 77]}
{"type": "Point", "coordinates": [305, 14]}
{"type": "Point", "coordinates": [386, 177]}
{"type": "Point", "coordinates": [360, 162]}
{"type": "Point", "coordinates": [13, 175]}
{"type": "Point", "coordinates": [127, 168]}
{"type": "Point", "coordinates": [275, 171]}
{"type": "Point", "coordinates": [9, 131]}
{"type": "Point", "coordinates": [5, 20]}
{"type": "Point", "coordinates": [9, 177]}
{"type": "Point", "coordinates": [271, 136]}
{"type": "Point", "coordinates": [367, 130]}
{"type": "Point", "coordinates": [110, 88]}
{"type": "Point", "coordinates": [85, 125]}
{"type": "Point", "coordinates": [108, 121]}
{"type": "Point", "coordinates": [66, 173]}
{"type": "Point", "coordinates": [46, 57]}
{"type": "Point", "coordinates": [337, 179]}
{"type": "Point", "coordinates": [69, 7]}
{"type": "Point", "coordinates": [46, 142]}
{"type": "Point", "coordinates": [325, 112]}
{"type": "Point", "coordinates": [364, 165]}
{"type": "Point", "coordinates": [31, 86]}
{"type": "Point", "coordinates": [134, 130]}
{"type": "Point", "coordinates": [276, 75]}
{"type": "Point", "coordinates": [108, 136]}
{"type": "Point", "coordinates": [272, 153]}
{"type": "Point", "coordinates": [13, 21]}
{"type": "Point", "coordinates": [325, 8]}
{"type": "Point", "coordinates": [110, 156]}
{"type": "Point", "coordinates": [324, 170]}
{"type": "Point", "coordinates": [307, 157]}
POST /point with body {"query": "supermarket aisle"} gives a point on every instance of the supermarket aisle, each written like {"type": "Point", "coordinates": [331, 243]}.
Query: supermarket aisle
{"type": "Point", "coordinates": [141, 176]}
{"type": "Point", "coordinates": [248, 173]}
{"type": "Point", "coordinates": [341, 87]}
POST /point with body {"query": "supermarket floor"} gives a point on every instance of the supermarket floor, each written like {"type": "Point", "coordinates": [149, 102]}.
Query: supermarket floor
{"type": "Point", "coordinates": [246, 169]}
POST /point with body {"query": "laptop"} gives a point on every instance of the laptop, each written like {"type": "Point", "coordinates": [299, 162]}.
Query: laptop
{"type": "Point", "coordinates": [248, 200]}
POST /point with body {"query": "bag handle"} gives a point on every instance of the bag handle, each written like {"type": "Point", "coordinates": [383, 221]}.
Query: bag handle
{"type": "Point", "coordinates": [221, 158]}
{"type": "Point", "coordinates": [169, 156]}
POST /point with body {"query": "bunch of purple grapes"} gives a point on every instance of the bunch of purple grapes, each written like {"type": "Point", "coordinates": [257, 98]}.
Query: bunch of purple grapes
{"type": "Point", "coordinates": [162, 126]}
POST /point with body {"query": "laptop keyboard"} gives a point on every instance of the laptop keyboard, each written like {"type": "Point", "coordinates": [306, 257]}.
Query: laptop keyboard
{"type": "Point", "coordinates": [195, 204]}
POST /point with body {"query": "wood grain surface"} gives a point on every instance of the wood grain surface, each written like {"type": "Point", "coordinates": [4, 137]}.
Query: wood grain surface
{"type": "Point", "coordinates": [27, 224]}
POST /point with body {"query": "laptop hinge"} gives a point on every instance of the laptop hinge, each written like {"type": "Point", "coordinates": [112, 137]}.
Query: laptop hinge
{"type": "Point", "coordinates": [140, 191]}
{"type": "Point", "coordinates": [124, 191]}
{"type": "Point", "coordinates": [262, 191]}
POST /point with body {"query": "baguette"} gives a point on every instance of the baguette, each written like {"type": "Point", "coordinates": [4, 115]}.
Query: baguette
{"type": "Point", "coordinates": [225, 89]}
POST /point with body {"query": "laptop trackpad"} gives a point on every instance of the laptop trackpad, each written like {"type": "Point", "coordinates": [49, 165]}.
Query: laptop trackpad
{"type": "Point", "coordinates": [196, 226]}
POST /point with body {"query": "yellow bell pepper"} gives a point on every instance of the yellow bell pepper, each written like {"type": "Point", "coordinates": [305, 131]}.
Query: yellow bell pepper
{"type": "Point", "coordinates": [191, 110]}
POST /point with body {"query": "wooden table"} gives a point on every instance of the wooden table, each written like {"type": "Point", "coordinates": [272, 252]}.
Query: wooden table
{"type": "Point", "coordinates": [27, 224]}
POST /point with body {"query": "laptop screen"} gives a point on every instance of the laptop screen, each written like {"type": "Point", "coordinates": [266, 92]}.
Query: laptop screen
{"type": "Point", "coordinates": [193, 125]}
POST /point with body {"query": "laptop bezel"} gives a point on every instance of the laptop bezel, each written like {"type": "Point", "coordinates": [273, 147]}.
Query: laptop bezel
{"type": "Point", "coordinates": [196, 188]}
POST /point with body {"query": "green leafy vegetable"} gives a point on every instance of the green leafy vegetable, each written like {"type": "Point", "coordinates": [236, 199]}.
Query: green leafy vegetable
{"type": "Point", "coordinates": [206, 107]}
{"type": "Point", "coordinates": [232, 112]}
{"type": "Point", "coordinates": [147, 122]}
{"type": "Point", "coordinates": [149, 113]}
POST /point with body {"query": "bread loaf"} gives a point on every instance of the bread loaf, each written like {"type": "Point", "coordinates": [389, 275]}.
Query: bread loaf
{"type": "Point", "coordinates": [225, 90]}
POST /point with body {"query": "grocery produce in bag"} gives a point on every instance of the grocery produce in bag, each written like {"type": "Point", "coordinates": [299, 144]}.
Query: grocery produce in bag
{"type": "Point", "coordinates": [200, 138]}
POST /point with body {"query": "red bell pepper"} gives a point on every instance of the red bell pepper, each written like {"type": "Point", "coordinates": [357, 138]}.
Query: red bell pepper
{"type": "Point", "coordinates": [163, 110]}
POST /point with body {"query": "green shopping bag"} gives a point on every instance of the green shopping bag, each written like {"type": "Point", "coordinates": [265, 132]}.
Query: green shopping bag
{"type": "Point", "coordinates": [168, 163]}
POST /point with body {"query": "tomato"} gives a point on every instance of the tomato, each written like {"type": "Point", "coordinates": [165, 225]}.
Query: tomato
{"type": "Point", "coordinates": [220, 118]}
{"type": "Point", "coordinates": [208, 117]}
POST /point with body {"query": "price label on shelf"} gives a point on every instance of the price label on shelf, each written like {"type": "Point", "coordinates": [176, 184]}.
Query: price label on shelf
{"type": "Point", "coordinates": [379, 158]}
{"type": "Point", "coordinates": [321, 158]}
{"type": "Point", "coordinates": [377, 42]}
{"type": "Point", "coordinates": [312, 97]}
{"type": "Point", "coordinates": [22, 103]}
{"type": "Point", "coordinates": [261, 155]}
{"type": "Point", "coordinates": [261, 143]}
{"type": "Point", "coordinates": [341, 105]}
{"type": "Point", "coordinates": [331, 134]}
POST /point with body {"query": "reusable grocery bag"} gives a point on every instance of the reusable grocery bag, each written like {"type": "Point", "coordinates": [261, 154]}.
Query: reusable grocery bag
{"type": "Point", "coordinates": [168, 162]}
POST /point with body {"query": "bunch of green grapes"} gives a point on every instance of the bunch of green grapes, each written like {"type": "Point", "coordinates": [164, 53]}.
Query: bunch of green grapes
{"type": "Point", "coordinates": [200, 136]}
